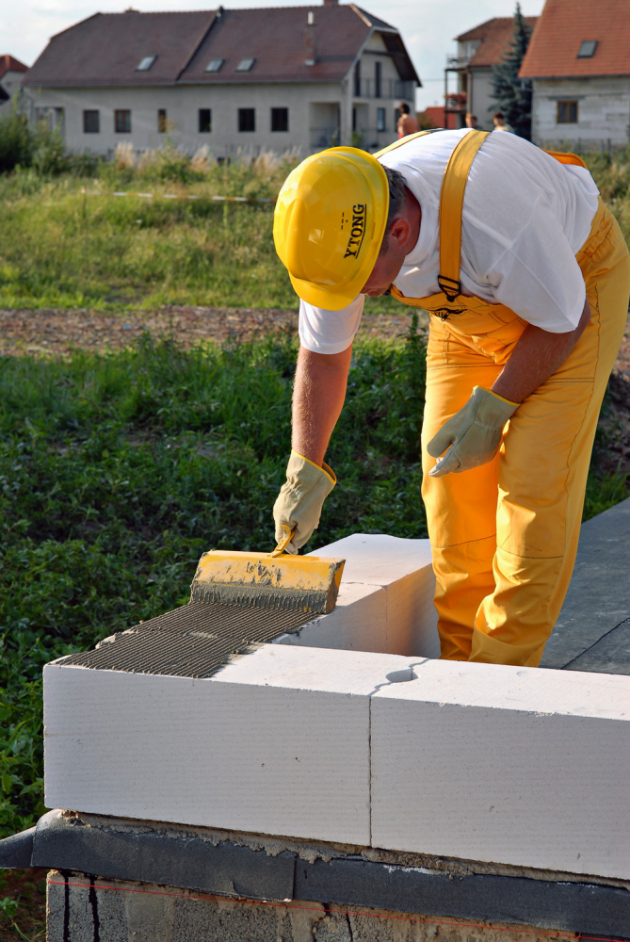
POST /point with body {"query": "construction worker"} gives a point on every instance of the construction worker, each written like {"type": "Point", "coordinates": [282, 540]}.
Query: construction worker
{"type": "Point", "coordinates": [526, 276]}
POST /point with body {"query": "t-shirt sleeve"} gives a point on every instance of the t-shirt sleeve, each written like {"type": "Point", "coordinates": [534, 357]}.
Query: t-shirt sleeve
{"type": "Point", "coordinates": [538, 277]}
{"type": "Point", "coordinates": [323, 331]}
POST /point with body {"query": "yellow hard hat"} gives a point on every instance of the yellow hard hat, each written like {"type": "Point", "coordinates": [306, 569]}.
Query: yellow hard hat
{"type": "Point", "coordinates": [329, 223]}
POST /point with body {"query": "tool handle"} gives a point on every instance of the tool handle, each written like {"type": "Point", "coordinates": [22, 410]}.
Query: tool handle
{"type": "Point", "coordinates": [284, 542]}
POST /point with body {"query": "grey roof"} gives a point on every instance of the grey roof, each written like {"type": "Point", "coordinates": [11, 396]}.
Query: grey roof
{"type": "Point", "coordinates": [107, 48]}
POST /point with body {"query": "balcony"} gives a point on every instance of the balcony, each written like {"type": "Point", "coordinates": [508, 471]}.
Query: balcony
{"type": "Point", "coordinates": [457, 63]}
{"type": "Point", "coordinates": [389, 88]}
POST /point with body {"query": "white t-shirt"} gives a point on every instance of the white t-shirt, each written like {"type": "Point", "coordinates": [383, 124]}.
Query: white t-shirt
{"type": "Point", "coordinates": [525, 217]}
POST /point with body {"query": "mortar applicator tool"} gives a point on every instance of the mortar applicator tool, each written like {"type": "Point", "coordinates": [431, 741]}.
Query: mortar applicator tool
{"type": "Point", "coordinates": [275, 580]}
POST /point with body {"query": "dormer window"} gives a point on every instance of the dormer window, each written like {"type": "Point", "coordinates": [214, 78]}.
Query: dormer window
{"type": "Point", "coordinates": [245, 65]}
{"type": "Point", "coordinates": [587, 49]}
{"type": "Point", "coordinates": [214, 65]}
{"type": "Point", "coordinates": [145, 64]}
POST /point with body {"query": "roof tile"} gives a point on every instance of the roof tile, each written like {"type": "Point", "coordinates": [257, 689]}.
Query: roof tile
{"type": "Point", "coordinates": [565, 24]}
{"type": "Point", "coordinates": [494, 36]}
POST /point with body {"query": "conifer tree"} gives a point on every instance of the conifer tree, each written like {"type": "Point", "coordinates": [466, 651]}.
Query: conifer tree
{"type": "Point", "coordinates": [514, 95]}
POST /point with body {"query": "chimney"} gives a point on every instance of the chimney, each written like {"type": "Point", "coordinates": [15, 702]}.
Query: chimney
{"type": "Point", "coordinates": [331, 3]}
{"type": "Point", "coordinates": [311, 39]}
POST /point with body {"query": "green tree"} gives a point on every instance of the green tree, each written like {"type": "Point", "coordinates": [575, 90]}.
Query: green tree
{"type": "Point", "coordinates": [514, 95]}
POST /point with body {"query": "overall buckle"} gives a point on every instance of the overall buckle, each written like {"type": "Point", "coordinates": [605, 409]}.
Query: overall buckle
{"type": "Point", "coordinates": [451, 288]}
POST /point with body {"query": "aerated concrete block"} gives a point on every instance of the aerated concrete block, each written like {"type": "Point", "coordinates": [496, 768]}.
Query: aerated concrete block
{"type": "Point", "coordinates": [506, 765]}
{"type": "Point", "coordinates": [277, 742]}
{"type": "Point", "coordinates": [403, 569]}
{"type": "Point", "coordinates": [357, 623]}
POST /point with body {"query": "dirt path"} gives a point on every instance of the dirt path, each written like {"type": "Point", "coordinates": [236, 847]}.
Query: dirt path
{"type": "Point", "coordinates": [56, 333]}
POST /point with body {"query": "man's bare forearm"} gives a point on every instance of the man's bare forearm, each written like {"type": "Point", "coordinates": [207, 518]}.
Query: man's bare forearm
{"type": "Point", "coordinates": [318, 398]}
{"type": "Point", "coordinates": [536, 356]}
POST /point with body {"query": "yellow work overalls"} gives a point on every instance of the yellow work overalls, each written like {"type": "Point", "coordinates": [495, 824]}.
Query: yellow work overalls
{"type": "Point", "coordinates": [504, 536]}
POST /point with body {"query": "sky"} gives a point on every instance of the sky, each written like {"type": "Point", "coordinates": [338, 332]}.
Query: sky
{"type": "Point", "coordinates": [427, 26]}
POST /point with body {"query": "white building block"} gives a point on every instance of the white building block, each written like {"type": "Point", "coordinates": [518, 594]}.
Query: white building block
{"type": "Point", "coordinates": [403, 569]}
{"type": "Point", "coordinates": [505, 764]}
{"type": "Point", "coordinates": [277, 742]}
{"type": "Point", "coordinates": [357, 623]}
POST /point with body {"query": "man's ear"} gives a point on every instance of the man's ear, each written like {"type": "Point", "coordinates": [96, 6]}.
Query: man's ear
{"type": "Point", "coordinates": [399, 232]}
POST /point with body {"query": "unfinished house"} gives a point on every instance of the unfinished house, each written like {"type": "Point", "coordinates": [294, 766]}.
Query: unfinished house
{"type": "Point", "coordinates": [579, 64]}
{"type": "Point", "coordinates": [11, 74]}
{"type": "Point", "coordinates": [468, 75]}
{"type": "Point", "coordinates": [235, 80]}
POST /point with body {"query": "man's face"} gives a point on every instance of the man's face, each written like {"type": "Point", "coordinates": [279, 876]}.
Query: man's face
{"type": "Point", "coordinates": [384, 273]}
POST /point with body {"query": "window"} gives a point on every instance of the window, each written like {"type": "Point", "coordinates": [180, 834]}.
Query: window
{"type": "Point", "coordinates": [380, 119]}
{"type": "Point", "coordinates": [567, 112]}
{"type": "Point", "coordinates": [587, 49]}
{"type": "Point", "coordinates": [357, 80]}
{"type": "Point", "coordinates": [91, 122]}
{"type": "Point", "coordinates": [378, 80]}
{"type": "Point", "coordinates": [279, 119]}
{"type": "Point", "coordinates": [245, 65]}
{"type": "Point", "coordinates": [145, 64]}
{"type": "Point", "coordinates": [246, 119]}
{"type": "Point", "coordinates": [122, 122]}
{"type": "Point", "coordinates": [162, 128]}
{"type": "Point", "coordinates": [214, 65]}
{"type": "Point", "coordinates": [205, 120]}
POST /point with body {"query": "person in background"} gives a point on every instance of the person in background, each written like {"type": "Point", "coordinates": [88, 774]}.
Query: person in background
{"type": "Point", "coordinates": [407, 123]}
{"type": "Point", "coordinates": [499, 122]}
{"type": "Point", "coordinates": [471, 122]}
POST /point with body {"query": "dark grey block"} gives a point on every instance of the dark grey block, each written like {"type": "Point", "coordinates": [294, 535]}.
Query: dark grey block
{"type": "Point", "coordinates": [150, 857]}
{"type": "Point", "coordinates": [577, 907]}
{"type": "Point", "coordinates": [598, 599]}
{"type": "Point", "coordinates": [231, 870]}
{"type": "Point", "coordinates": [16, 851]}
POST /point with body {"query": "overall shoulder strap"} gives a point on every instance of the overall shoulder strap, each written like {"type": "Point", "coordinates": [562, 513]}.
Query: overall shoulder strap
{"type": "Point", "coordinates": [566, 158]}
{"type": "Point", "coordinates": [403, 140]}
{"type": "Point", "coordinates": [451, 205]}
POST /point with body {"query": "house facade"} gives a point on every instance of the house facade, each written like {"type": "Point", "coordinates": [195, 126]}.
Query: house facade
{"type": "Point", "coordinates": [11, 75]}
{"type": "Point", "coordinates": [478, 50]}
{"type": "Point", "coordinates": [579, 63]}
{"type": "Point", "coordinates": [238, 81]}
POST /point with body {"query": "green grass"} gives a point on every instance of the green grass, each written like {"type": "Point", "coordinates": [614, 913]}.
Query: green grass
{"type": "Point", "coordinates": [117, 472]}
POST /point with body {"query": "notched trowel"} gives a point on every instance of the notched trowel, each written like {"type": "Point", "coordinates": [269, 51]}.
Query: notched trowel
{"type": "Point", "coordinates": [273, 580]}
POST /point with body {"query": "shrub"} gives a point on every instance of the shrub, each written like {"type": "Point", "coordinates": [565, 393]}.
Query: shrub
{"type": "Point", "coordinates": [16, 142]}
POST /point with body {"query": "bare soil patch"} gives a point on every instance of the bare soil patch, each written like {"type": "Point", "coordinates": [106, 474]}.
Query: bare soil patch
{"type": "Point", "coordinates": [36, 332]}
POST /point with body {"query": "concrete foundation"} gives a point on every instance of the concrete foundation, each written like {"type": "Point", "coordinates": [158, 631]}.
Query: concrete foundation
{"type": "Point", "coordinates": [84, 909]}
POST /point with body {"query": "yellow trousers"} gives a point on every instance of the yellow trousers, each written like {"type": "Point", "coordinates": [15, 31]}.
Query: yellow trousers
{"type": "Point", "coordinates": [504, 535]}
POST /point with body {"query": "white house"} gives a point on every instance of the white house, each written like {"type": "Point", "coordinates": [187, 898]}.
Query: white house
{"type": "Point", "coordinates": [579, 61]}
{"type": "Point", "coordinates": [248, 80]}
{"type": "Point", "coordinates": [478, 50]}
{"type": "Point", "coordinates": [11, 75]}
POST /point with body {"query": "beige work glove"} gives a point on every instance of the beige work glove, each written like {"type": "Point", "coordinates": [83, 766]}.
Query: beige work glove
{"type": "Point", "coordinates": [473, 433]}
{"type": "Point", "coordinates": [301, 499]}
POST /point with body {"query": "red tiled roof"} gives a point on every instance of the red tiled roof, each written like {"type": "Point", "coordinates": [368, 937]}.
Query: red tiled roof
{"type": "Point", "coordinates": [494, 36]}
{"type": "Point", "coordinates": [11, 64]}
{"type": "Point", "coordinates": [106, 48]}
{"type": "Point", "coordinates": [435, 114]}
{"type": "Point", "coordinates": [565, 24]}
